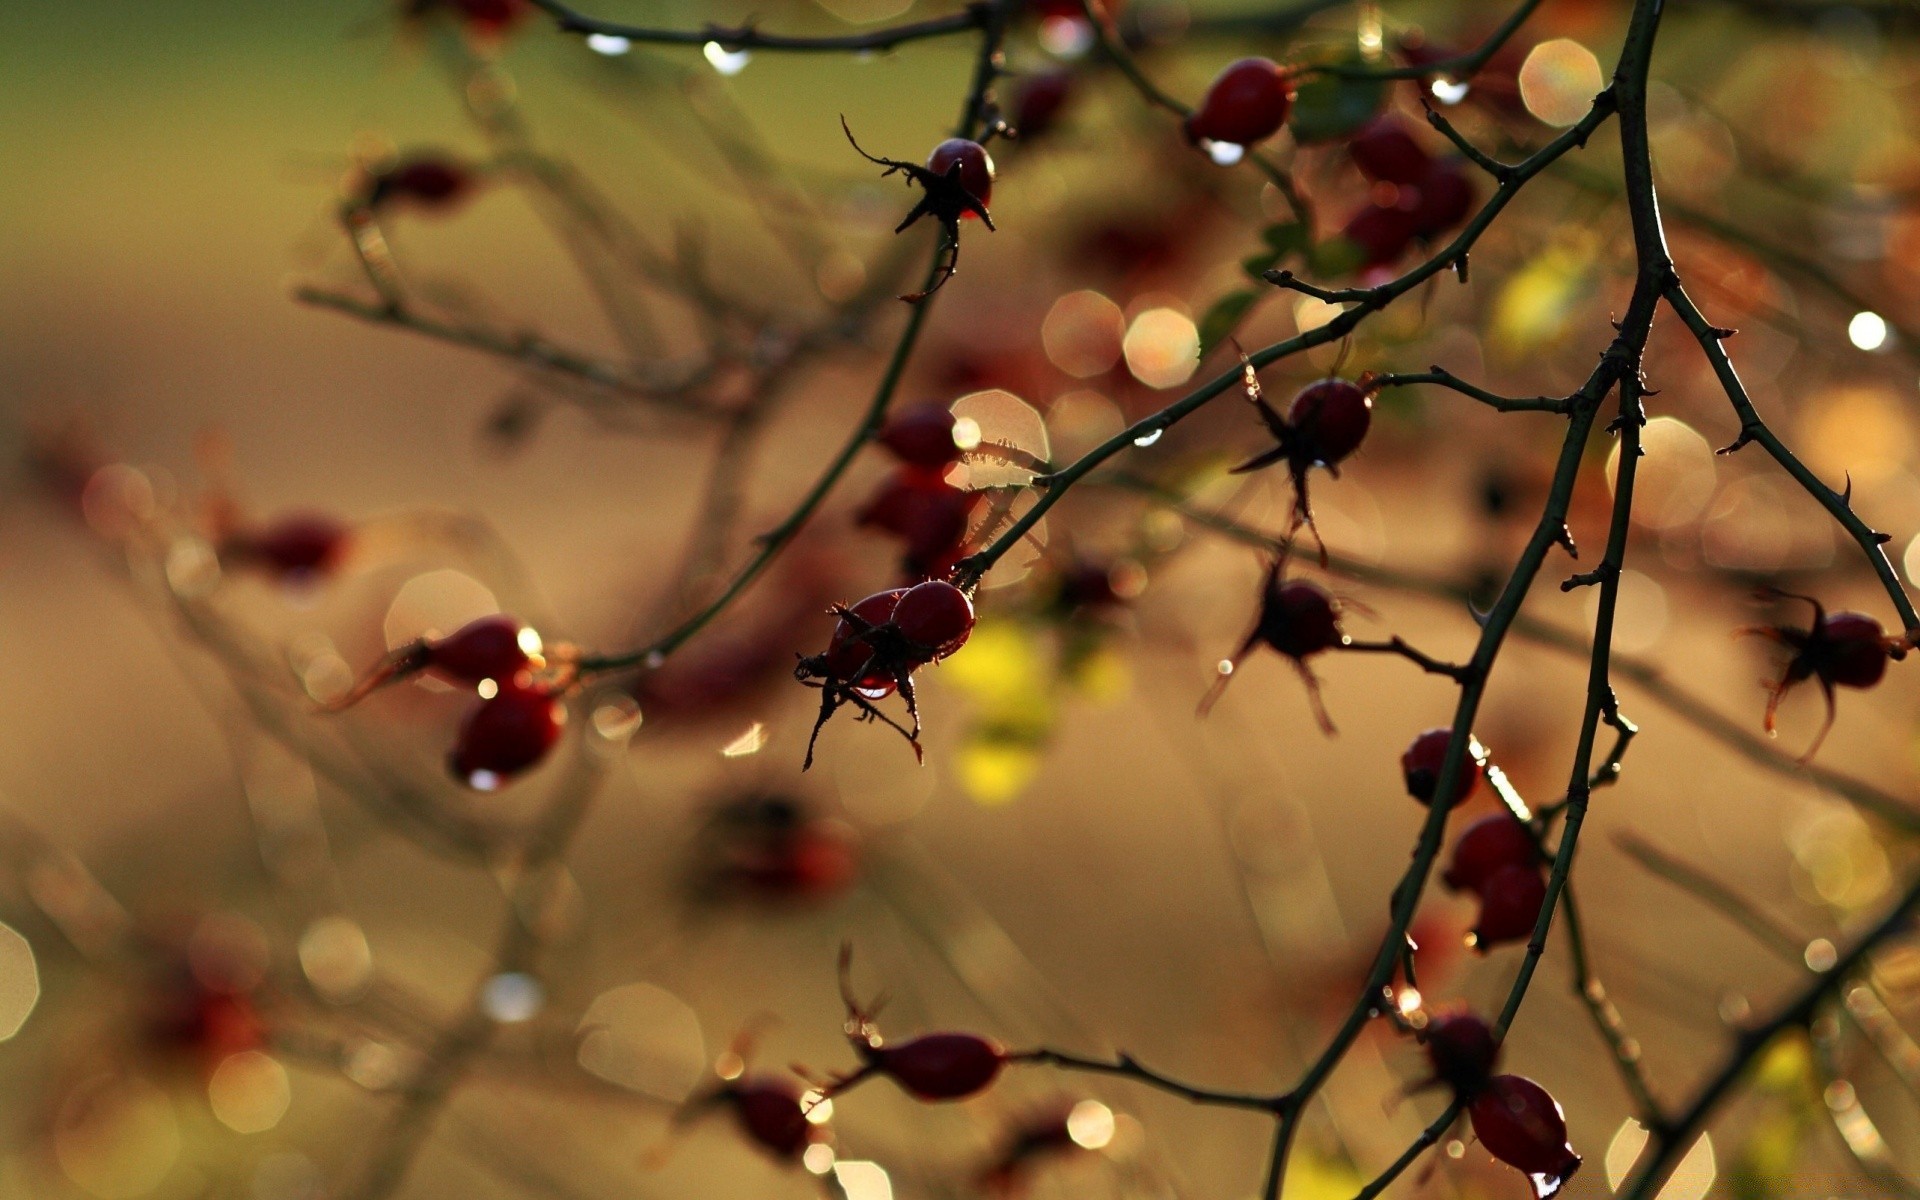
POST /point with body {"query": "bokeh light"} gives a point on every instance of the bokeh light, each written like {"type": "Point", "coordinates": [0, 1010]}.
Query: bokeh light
{"type": "Point", "coordinates": [1162, 347]}
{"type": "Point", "coordinates": [1559, 80]}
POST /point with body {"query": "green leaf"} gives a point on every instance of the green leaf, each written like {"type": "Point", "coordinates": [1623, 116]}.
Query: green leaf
{"type": "Point", "coordinates": [1225, 317]}
{"type": "Point", "coordinates": [1289, 237]}
{"type": "Point", "coordinates": [1335, 257]}
{"type": "Point", "coordinates": [1328, 107]}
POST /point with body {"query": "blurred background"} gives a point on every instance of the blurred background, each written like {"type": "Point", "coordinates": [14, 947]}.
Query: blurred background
{"type": "Point", "coordinates": [252, 950]}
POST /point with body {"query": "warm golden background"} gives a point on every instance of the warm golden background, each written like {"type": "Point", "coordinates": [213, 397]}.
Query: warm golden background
{"type": "Point", "coordinates": [1203, 895]}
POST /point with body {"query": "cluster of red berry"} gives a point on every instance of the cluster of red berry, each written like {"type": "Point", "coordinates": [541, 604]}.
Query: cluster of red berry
{"type": "Point", "coordinates": [877, 646]}
{"type": "Point", "coordinates": [519, 715]}
{"type": "Point", "coordinates": [1515, 1118]}
{"type": "Point", "coordinates": [916, 503]}
{"type": "Point", "coordinates": [1414, 197]}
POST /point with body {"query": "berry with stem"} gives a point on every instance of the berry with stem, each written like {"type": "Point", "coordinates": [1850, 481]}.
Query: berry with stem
{"type": "Point", "coordinates": [1298, 619]}
{"type": "Point", "coordinates": [1324, 425]}
{"type": "Point", "coordinates": [1247, 103]}
{"type": "Point", "coordinates": [1522, 1125]}
{"type": "Point", "coordinates": [505, 735]}
{"type": "Point", "coordinates": [933, 1066]}
{"type": "Point", "coordinates": [1421, 763]}
{"type": "Point", "coordinates": [1841, 649]}
{"type": "Point", "coordinates": [956, 183]}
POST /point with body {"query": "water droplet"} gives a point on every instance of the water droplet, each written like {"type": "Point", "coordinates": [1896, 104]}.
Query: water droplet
{"type": "Point", "coordinates": [616, 716]}
{"type": "Point", "coordinates": [1149, 438]}
{"type": "Point", "coordinates": [1226, 154]}
{"type": "Point", "coordinates": [512, 996]}
{"type": "Point", "coordinates": [655, 660]}
{"type": "Point", "coordinates": [611, 45]}
{"type": "Point", "coordinates": [725, 61]}
{"type": "Point", "coordinates": [1446, 91]}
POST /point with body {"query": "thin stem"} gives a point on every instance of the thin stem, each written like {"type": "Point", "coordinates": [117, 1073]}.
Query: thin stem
{"type": "Point", "coordinates": [1398, 645]}
{"type": "Point", "coordinates": [1459, 66]}
{"type": "Point", "coordinates": [1872, 542]}
{"type": "Point", "coordinates": [746, 37]}
{"type": "Point", "coordinates": [1126, 1066]}
{"type": "Point", "coordinates": [1447, 379]}
{"type": "Point", "coordinates": [1622, 1048]}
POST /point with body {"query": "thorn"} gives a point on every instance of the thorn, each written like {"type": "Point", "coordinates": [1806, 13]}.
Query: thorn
{"type": "Point", "coordinates": [1460, 268]}
{"type": "Point", "coordinates": [1846, 497]}
{"type": "Point", "coordinates": [1879, 539]}
{"type": "Point", "coordinates": [1564, 539]}
{"type": "Point", "coordinates": [1746, 436]}
{"type": "Point", "coordinates": [1719, 333]}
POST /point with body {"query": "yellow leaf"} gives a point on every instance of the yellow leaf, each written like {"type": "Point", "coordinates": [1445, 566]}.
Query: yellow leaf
{"type": "Point", "coordinates": [992, 771]}
{"type": "Point", "coordinates": [1539, 302]}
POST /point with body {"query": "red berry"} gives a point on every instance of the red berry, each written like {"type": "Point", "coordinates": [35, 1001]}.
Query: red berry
{"type": "Point", "coordinates": [771, 1113]}
{"type": "Point", "coordinates": [1510, 901]}
{"type": "Point", "coordinates": [1039, 98]}
{"type": "Point", "coordinates": [489, 17]}
{"type": "Point", "coordinates": [929, 514]}
{"type": "Point", "coordinates": [1445, 198]}
{"type": "Point", "coordinates": [505, 735]}
{"type": "Point", "coordinates": [1489, 845]}
{"type": "Point", "coordinates": [427, 182]}
{"type": "Point", "coordinates": [976, 168]}
{"type": "Point", "coordinates": [1298, 618]}
{"type": "Point", "coordinates": [1421, 767]}
{"type": "Point", "coordinates": [1248, 102]}
{"type": "Point", "coordinates": [1462, 1050]}
{"type": "Point", "coordinates": [935, 618]}
{"type": "Point", "coordinates": [852, 656]}
{"type": "Point", "coordinates": [1331, 419]}
{"type": "Point", "coordinates": [1852, 651]}
{"type": "Point", "coordinates": [297, 546]}
{"type": "Point", "coordinates": [1522, 1126]}
{"type": "Point", "coordinates": [489, 648]}
{"type": "Point", "coordinates": [921, 436]}
{"type": "Point", "coordinates": [1381, 233]}
{"type": "Point", "coordinates": [1384, 151]}
{"type": "Point", "coordinates": [773, 848]}
{"type": "Point", "coordinates": [941, 1066]}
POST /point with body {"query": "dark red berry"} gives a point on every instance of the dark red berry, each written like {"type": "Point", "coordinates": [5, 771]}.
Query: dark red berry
{"type": "Point", "coordinates": [1331, 417]}
{"type": "Point", "coordinates": [1844, 649]}
{"type": "Point", "coordinates": [1386, 152]}
{"type": "Point", "coordinates": [1040, 1136]}
{"type": "Point", "coordinates": [488, 17]}
{"type": "Point", "coordinates": [1445, 198]}
{"type": "Point", "coordinates": [976, 169]}
{"type": "Point", "coordinates": [202, 1023]}
{"type": "Point", "coordinates": [1510, 901]}
{"type": "Point", "coordinates": [1298, 619]}
{"type": "Point", "coordinates": [1487, 846]}
{"type": "Point", "coordinates": [852, 656]}
{"type": "Point", "coordinates": [1247, 102]}
{"type": "Point", "coordinates": [1853, 650]}
{"type": "Point", "coordinates": [428, 182]}
{"type": "Point", "coordinates": [1038, 99]}
{"type": "Point", "coordinates": [941, 1066]}
{"type": "Point", "coordinates": [490, 648]}
{"type": "Point", "coordinates": [1421, 766]}
{"type": "Point", "coordinates": [1522, 1126]}
{"type": "Point", "coordinates": [1462, 1050]}
{"type": "Point", "coordinates": [930, 515]}
{"type": "Point", "coordinates": [771, 848]}
{"type": "Point", "coordinates": [296, 546]}
{"type": "Point", "coordinates": [772, 1113]}
{"type": "Point", "coordinates": [935, 618]}
{"type": "Point", "coordinates": [921, 436]}
{"type": "Point", "coordinates": [505, 735]}
{"type": "Point", "coordinates": [1380, 233]}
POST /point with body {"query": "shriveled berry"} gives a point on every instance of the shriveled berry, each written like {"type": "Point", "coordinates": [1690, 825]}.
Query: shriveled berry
{"type": "Point", "coordinates": [1421, 766]}
{"type": "Point", "coordinates": [941, 1066]}
{"type": "Point", "coordinates": [976, 169]}
{"type": "Point", "coordinates": [1523, 1126]}
{"type": "Point", "coordinates": [922, 436]}
{"type": "Point", "coordinates": [1445, 198]}
{"type": "Point", "coordinates": [295, 546]}
{"type": "Point", "coordinates": [1462, 1050]}
{"type": "Point", "coordinates": [490, 648]}
{"type": "Point", "coordinates": [1486, 847]}
{"type": "Point", "coordinates": [1510, 901]}
{"type": "Point", "coordinates": [1247, 102]}
{"type": "Point", "coordinates": [506, 735]}
{"type": "Point", "coordinates": [1385, 151]}
{"type": "Point", "coordinates": [935, 618]}
{"type": "Point", "coordinates": [772, 1113]}
{"type": "Point", "coordinates": [1331, 417]}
